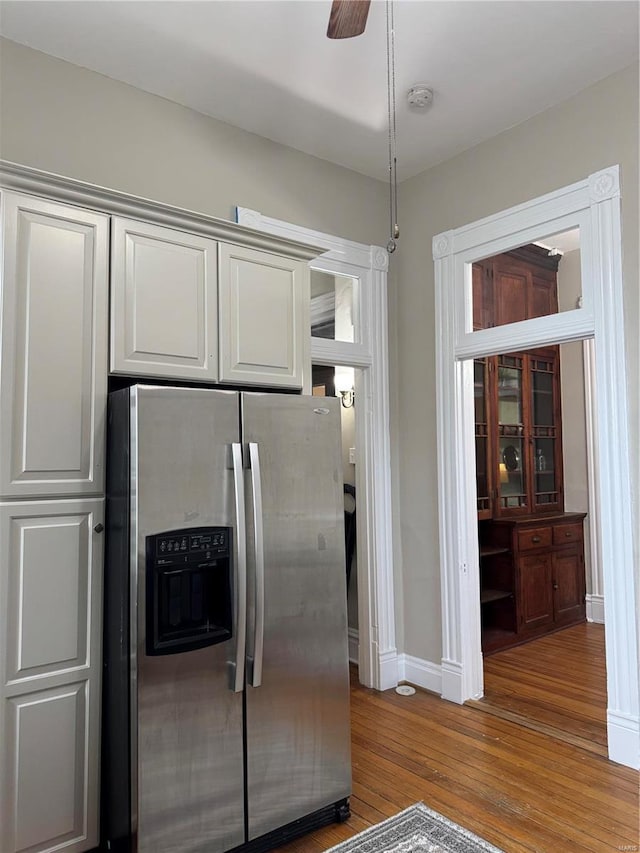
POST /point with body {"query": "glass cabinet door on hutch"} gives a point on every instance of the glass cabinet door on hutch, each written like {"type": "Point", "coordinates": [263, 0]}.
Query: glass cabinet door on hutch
{"type": "Point", "coordinates": [546, 442]}
{"type": "Point", "coordinates": [512, 481]}
{"type": "Point", "coordinates": [483, 464]}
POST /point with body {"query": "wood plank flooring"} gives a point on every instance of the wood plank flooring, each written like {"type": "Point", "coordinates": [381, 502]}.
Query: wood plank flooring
{"type": "Point", "coordinates": [556, 684]}
{"type": "Point", "coordinates": [524, 790]}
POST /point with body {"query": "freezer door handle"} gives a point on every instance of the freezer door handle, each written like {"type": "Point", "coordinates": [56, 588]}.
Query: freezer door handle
{"type": "Point", "coordinates": [237, 667]}
{"type": "Point", "coordinates": [255, 660]}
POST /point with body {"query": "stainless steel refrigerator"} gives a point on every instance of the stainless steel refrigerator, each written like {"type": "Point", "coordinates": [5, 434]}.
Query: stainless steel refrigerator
{"type": "Point", "coordinates": [226, 695]}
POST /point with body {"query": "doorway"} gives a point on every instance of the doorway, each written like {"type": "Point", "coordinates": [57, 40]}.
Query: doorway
{"type": "Point", "coordinates": [367, 350]}
{"type": "Point", "coordinates": [593, 206]}
{"type": "Point", "coordinates": [339, 381]}
{"type": "Point", "coordinates": [535, 554]}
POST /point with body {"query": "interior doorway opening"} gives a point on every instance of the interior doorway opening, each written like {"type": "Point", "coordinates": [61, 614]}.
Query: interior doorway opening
{"type": "Point", "coordinates": [532, 492]}
{"type": "Point", "coordinates": [340, 381]}
{"type": "Point", "coordinates": [365, 348]}
{"type": "Point", "coordinates": [531, 449]}
{"type": "Point", "coordinates": [593, 205]}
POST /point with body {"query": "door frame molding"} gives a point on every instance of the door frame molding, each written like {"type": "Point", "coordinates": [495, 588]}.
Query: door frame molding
{"type": "Point", "coordinates": [595, 598]}
{"type": "Point", "coordinates": [593, 205]}
{"type": "Point", "coordinates": [368, 265]}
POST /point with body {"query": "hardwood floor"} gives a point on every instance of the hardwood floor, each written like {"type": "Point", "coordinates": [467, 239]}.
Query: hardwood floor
{"type": "Point", "coordinates": [556, 684]}
{"type": "Point", "coordinates": [520, 788]}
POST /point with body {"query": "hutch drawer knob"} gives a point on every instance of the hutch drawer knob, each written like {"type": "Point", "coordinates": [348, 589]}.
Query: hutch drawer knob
{"type": "Point", "coordinates": [555, 586]}
{"type": "Point", "coordinates": [535, 539]}
{"type": "Point", "coordinates": [99, 528]}
{"type": "Point", "coordinates": [567, 533]}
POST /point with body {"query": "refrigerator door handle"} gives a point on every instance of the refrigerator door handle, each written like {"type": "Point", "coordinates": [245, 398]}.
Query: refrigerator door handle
{"type": "Point", "coordinates": [255, 661]}
{"type": "Point", "coordinates": [237, 667]}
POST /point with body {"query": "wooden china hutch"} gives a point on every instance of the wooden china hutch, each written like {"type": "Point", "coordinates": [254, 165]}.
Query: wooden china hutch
{"type": "Point", "coordinates": [532, 574]}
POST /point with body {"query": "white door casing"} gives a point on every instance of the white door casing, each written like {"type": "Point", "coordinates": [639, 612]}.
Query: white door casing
{"type": "Point", "coordinates": [367, 265]}
{"type": "Point", "coordinates": [595, 599]}
{"type": "Point", "coordinates": [593, 205]}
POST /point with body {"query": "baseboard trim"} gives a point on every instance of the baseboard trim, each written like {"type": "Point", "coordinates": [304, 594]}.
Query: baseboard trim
{"type": "Point", "coordinates": [623, 737]}
{"type": "Point", "coordinates": [421, 673]}
{"type": "Point", "coordinates": [595, 608]}
{"type": "Point", "coordinates": [452, 682]}
{"type": "Point", "coordinates": [388, 669]}
{"type": "Point", "coordinates": [354, 645]}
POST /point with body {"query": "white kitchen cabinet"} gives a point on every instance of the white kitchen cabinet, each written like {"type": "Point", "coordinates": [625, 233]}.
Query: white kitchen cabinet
{"type": "Point", "coordinates": [187, 307]}
{"type": "Point", "coordinates": [264, 317]}
{"type": "Point", "coordinates": [51, 557]}
{"type": "Point", "coordinates": [164, 319]}
{"type": "Point", "coordinates": [53, 377]}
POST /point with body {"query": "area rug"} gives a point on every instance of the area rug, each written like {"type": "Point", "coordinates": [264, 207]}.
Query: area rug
{"type": "Point", "coordinates": [415, 830]}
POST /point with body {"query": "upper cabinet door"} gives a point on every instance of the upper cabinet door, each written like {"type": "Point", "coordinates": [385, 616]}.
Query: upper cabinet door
{"type": "Point", "coordinates": [53, 378]}
{"type": "Point", "coordinates": [512, 281]}
{"type": "Point", "coordinates": [483, 295]}
{"type": "Point", "coordinates": [264, 317]}
{"type": "Point", "coordinates": [163, 302]}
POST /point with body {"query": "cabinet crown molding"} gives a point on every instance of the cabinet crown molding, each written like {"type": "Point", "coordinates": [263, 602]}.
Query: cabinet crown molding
{"type": "Point", "coordinates": [20, 178]}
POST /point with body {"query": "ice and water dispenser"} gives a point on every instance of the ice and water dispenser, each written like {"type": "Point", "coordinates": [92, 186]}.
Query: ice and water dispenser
{"type": "Point", "coordinates": [188, 585]}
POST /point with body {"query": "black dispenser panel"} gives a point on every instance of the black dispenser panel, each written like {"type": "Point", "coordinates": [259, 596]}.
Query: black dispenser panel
{"type": "Point", "coordinates": [188, 574]}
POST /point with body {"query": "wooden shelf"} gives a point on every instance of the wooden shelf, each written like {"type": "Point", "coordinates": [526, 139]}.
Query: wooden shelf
{"type": "Point", "coordinates": [491, 551]}
{"type": "Point", "coordinates": [487, 595]}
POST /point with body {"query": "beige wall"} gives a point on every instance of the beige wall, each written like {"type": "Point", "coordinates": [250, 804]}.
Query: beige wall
{"type": "Point", "coordinates": [64, 119]}
{"type": "Point", "coordinates": [61, 118]}
{"type": "Point", "coordinates": [596, 128]}
{"type": "Point", "coordinates": [574, 431]}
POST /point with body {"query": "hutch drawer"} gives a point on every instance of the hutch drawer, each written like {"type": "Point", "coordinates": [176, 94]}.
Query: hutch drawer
{"type": "Point", "coordinates": [535, 537]}
{"type": "Point", "coordinates": [565, 533]}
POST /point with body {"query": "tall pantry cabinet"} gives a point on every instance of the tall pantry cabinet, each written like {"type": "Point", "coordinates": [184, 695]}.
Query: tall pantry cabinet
{"type": "Point", "coordinates": [53, 383]}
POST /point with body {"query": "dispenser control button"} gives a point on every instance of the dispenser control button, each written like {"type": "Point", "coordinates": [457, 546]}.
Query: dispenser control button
{"type": "Point", "coordinates": [201, 542]}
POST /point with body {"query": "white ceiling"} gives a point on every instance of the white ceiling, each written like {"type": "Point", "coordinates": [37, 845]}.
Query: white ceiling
{"type": "Point", "coordinates": [568, 241]}
{"type": "Point", "coordinates": [268, 67]}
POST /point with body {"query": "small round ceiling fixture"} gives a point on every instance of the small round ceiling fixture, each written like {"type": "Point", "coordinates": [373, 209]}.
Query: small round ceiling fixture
{"type": "Point", "coordinates": [420, 96]}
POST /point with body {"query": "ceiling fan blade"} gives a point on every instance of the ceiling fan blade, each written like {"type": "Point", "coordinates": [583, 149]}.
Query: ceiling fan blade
{"type": "Point", "coordinates": [348, 18]}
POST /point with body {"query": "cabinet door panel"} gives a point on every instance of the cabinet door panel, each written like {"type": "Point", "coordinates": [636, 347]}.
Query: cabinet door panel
{"type": "Point", "coordinates": [483, 296]}
{"type": "Point", "coordinates": [163, 302]}
{"type": "Point", "coordinates": [536, 592]}
{"type": "Point", "coordinates": [47, 594]}
{"type": "Point", "coordinates": [264, 307]}
{"type": "Point", "coordinates": [543, 298]}
{"type": "Point", "coordinates": [50, 624]}
{"type": "Point", "coordinates": [47, 733]}
{"type": "Point", "coordinates": [569, 585]}
{"type": "Point", "coordinates": [512, 283]}
{"type": "Point", "coordinates": [54, 322]}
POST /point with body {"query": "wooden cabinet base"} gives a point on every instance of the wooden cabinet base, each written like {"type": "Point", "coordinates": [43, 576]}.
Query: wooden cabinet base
{"type": "Point", "coordinates": [532, 577]}
{"type": "Point", "coordinates": [496, 640]}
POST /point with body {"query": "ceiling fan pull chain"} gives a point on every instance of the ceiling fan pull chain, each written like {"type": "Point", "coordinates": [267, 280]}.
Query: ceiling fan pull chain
{"type": "Point", "coordinates": [394, 231]}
